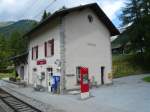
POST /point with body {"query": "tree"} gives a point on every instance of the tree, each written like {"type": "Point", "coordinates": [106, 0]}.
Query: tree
{"type": "Point", "coordinates": [3, 52]}
{"type": "Point", "coordinates": [12, 45]}
{"type": "Point", "coordinates": [146, 23]}
{"type": "Point", "coordinates": [45, 15]}
{"type": "Point", "coordinates": [137, 14]}
{"type": "Point", "coordinates": [17, 44]}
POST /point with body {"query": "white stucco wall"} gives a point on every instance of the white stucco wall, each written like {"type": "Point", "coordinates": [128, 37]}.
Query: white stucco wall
{"type": "Point", "coordinates": [88, 45]}
{"type": "Point", "coordinates": [49, 31]}
{"type": "Point", "coordinates": [78, 43]}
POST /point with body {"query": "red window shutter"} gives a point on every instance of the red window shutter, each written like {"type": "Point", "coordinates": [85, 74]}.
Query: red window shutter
{"type": "Point", "coordinates": [45, 44]}
{"type": "Point", "coordinates": [37, 52]}
{"type": "Point", "coordinates": [52, 47]}
{"type": "Point", "coordinates": [32, 53]}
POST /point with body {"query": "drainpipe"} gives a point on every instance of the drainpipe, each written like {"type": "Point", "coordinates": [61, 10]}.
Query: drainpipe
{"type": "Point", "coordinates": [62, 54]}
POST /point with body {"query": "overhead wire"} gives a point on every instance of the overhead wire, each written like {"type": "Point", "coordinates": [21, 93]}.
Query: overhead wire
{"type": "Point", "coordinates": [44, 9]}
{"type": "Point", "coordinates": [34, 17]}
{"type": "Point", "coordinates": [30, 6]}
{"type": "Point", "coordinates": [33, 4]}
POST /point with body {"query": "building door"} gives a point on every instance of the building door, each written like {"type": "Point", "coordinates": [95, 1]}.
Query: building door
{"type": "Point", "coordinates": [102, 74]}
{"type": "Point", "coordinates": [78, 75]}
{"type": "Point", "coordinates": [22, 72]}
{"type": "Point", "coordinates": [34, 77]}
{"type": "Point", "coordinates": [49, 77]}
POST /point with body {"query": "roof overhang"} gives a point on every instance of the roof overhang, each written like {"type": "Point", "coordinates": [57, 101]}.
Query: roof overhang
{"type": "Point", "coordinates": [20, 59]}
{"type": "Point", "coordinates": [94, 6]}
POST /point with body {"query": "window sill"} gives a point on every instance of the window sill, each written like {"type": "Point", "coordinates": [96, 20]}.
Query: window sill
{"type": "Point", "coordinates": [49, 56]}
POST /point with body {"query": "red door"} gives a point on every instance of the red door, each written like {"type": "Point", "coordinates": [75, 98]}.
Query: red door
{"type": "Point", "coordinates": [84, 81]}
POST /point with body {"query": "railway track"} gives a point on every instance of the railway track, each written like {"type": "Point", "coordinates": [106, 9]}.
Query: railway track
{"type": "Point", "coordinates": [16, 104]}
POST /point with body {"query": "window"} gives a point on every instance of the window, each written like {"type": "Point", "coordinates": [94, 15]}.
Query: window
{"type": "Point", "coordinates": [78, 75]}
{"type": "Point", "coordinates": [50, 70]}
{"type": "Point", "coordinates": [35, 53]}
{"type": "Point", "coordinates": [49, 48]}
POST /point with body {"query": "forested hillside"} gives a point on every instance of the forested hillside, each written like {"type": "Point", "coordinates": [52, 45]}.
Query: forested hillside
{"type": "Point", "coordinates": [21, 26]}
{"type": "Point", "coordinates": [3, 24]}
{"type": "Point", "coordinates": [11, 41]}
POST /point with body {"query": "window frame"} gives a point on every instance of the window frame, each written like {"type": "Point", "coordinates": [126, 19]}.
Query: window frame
{"type": "Point", "coordinates": [51, 48]}
{"type": "Point", "coordinates": [78, 75]}
{"type": "Point", "coordinates": [36, 52]}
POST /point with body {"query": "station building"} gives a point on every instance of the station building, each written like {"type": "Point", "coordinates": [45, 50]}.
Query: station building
{"type": "Point", "coordinates": [68, 40]}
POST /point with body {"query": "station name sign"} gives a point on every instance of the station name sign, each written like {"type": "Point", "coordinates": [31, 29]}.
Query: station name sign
{"type": "Point", "coordinates": [41, 62]}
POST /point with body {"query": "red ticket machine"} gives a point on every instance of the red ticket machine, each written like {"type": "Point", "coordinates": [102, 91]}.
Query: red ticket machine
{"type": "Point", "coordinates": [84, 82]}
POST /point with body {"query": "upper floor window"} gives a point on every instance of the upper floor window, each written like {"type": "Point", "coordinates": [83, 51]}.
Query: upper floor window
{"type": "Point", "coordinates": [35, 53]}
{"type": "Point", "coordinates": [49, 48]}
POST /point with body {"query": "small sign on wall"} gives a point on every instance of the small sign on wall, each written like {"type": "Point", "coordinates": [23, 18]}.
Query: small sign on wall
{"type": "Point", "coordinates": [91, 44]}
{"type": "Point", "coordinates": [41, 62]}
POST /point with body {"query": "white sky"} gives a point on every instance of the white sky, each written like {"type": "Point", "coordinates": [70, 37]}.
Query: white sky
{"type": "Point", "coordinates": [13, 10]}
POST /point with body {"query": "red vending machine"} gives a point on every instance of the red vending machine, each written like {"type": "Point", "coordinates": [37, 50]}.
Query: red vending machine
{"type": "Point", "coordinates": [84, 82]}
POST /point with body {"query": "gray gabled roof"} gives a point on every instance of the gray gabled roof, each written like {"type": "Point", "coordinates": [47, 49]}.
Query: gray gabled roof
{"type": "Point", "coordinates": [94, 6]}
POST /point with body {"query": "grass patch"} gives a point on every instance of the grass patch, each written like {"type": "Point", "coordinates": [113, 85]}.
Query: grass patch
{"type": "Point", "coordinates": [125, 65]}
{"type": "Point", "coordinates": [6, 75]}
{"type": "Point", "coordinates": [146, 79]}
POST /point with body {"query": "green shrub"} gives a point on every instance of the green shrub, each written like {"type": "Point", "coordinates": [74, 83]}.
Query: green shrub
{"type": "Point", "coordinates": [18, 78]}
{"type": "Point", "coordinates": [7, 74]}
{"type": "Point", "coordinates": [12, 79]}
{"type": "Point", "coordinates": [14, 73]}
{"type": "Point", "coordinates": [146, 79]}
{"type": "Point", "coordinates": [6, 71]}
